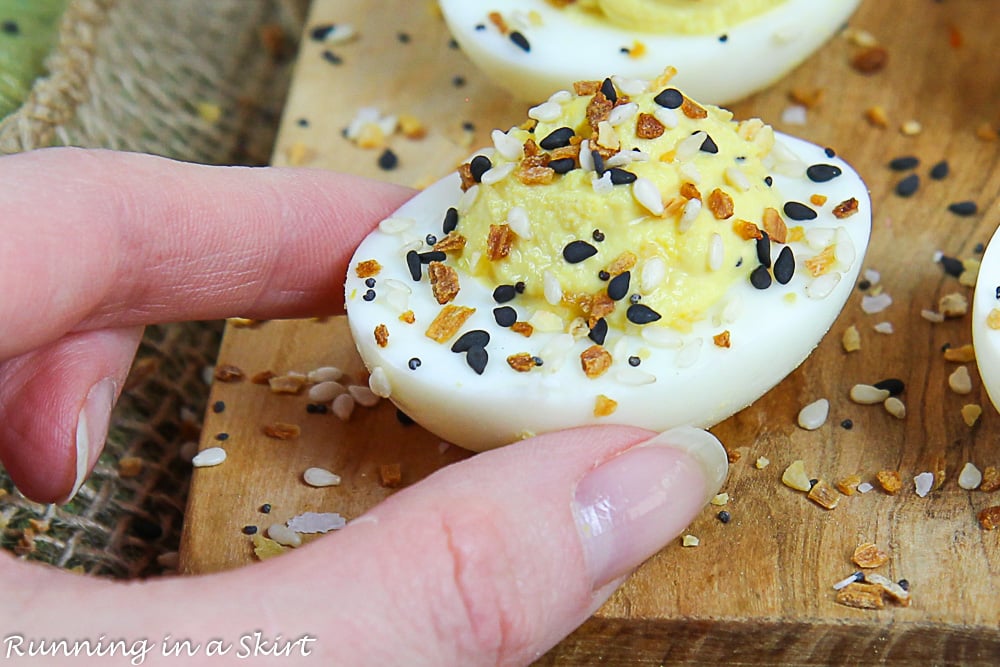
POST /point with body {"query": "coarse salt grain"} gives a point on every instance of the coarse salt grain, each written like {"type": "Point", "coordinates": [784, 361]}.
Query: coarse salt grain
{"type": "Point", "coordinates": [762, 462]}
{"type": "Point", "coordinates": [343, 406]}
{"type": "Point", "coordinates": [932, 316]}
{"type": "Point", "coordinates": [872, 276]}
{"type": "Point", "coordinates": [720, 499]}
{"type": "Point", "coordinates": [316, 522]}
{"type": "Point", "coordinates": [960, 381]}
{"type": "Point", "coordinates": [970, 478]}
{"type": "Point", "coordinates": [320, 477]}
{"type": "Point", "coordinates": [690, 541]}
{"type": "Point", "coordinates": [875, 303]}
{"type": "Point", "coordinates": [794, 114]}
{"type": "Point", "coordinates": [212, 456]}
{"type": "Point", "coordinates": [814, 415]}
{"type": "Point", "coordinates": [864, 487]}
{"type": "Point", "coordinates": [923, 483]}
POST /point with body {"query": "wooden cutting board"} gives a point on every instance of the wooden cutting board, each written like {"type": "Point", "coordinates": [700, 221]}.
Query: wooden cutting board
{"type": "Point", "coordinates": [758, 589]}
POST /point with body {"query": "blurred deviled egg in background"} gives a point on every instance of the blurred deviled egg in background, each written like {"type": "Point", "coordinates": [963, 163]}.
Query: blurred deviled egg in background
{"type": "Point", "coordinates": [723, 50]}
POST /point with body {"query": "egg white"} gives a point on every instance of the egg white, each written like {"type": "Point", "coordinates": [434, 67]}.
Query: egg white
{"type": "Point", "coordinates": [687, 380]}
{"type": "Point", "coordinates": [715, 69]}
{"type": "Point", "coordinates": [985, 340]}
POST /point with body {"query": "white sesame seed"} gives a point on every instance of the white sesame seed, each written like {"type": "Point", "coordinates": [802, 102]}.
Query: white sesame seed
{"type": "Point", "coordinates": [818, 238]}
{"type": "Point", "coordinates": [786, 162]}
{"type": "Point", "coordinates": [284, 535]}
{"type": "Point", "coordinates": [324, 374]}
{"type": "Point", "coordinates": [845, 582]}
{"type": "Point", "coordinates": [339, 33]}
{"type": "Point", "coordinates": [814, 415]}
{"type": "Point", "coordinates": [397, 294]}
{"type": "Point", "coordinates": [362, 395]}
{"type": "Point", "coordinates": [496, 174]}
{"type": "Point", "coordinates": [794, 114]}
{"type": "Point", "coordinates": [922, 483]}
{"type": "Point", "coordinates": [875, 303]}
{"type": "Point", "coordinates": [555, 352]}
{"type": "Point", "coordinates": [518, 221]}
{"type": "Point", "coordinates": [844, 249]}
{"type": "Point", "coordinates": [691, 210]}
{"type": "Point", "coordinates": [884, 328]}
{"type": "Point", "coordinates": [960, 381]}
{"type": "Point", "coordinates": [634, 377]}
{"type": "Point", "coordinates": [689, 171]}
{"type": "Point", "coordinates": [716, 252]}
{"type": "Point", "coordinates": [320, 477]}
{"type": "Point", "coordinates": [821, 286]}
{"type": "Point", "coordinates": [561, 97]}
{"type": "Point", "coordinates": [211, 456]}
{"type": "Point", "coordinates": [662, 337]}
{"type": "Point", "coordinates": [467, 199]}
{"type": "Point", "coordinates": [586, 159]}
{"type": "Point", "coordinates": [324, 392]}
{"type": "Point", "coordinates": [732, 309]}
{"type": "Point", "coordinates": [629, 86]}
{"type": "Point", "coordinates": [395, 225]}
{"type": "Point", "coordinates": [688, 355]}
{"type": "Point", "coordinates": [545, 112]}
{"type": "Point", "coordinates": [736, 178]}
{"type": "Point", "coordinates": [688, 147]}
{"type": "Point", "coordinates": [378, 383]}
{"type": "Point", "coordinates": [895, 407]}
{"type": "Point", "coordinates": [545, 321]}
{"type": "Point", "coordinates": [507, 145]}
{"type": "Point", "coordinates": [623, 113]}
{"type": "Point", "coordinates": [866, 394]}
{"type": "Point", "coordinates": [551, 288]}
{"type": "Point", "coordinates": [343, 406]}
{"type": "Point", "coordinates": [653, 272]}
{"type": "Point", "coordinates": [666, 116]}
{"type": "Point", "coordinates": [931, 315]}
{"type": "Point", "coordinates": [970, 478]}
{"type": "Point", "coordinates": [647, 194]}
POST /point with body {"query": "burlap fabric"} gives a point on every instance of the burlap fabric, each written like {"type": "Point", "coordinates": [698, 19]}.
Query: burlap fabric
{"type": "Point", "coordinates": [196, 80]}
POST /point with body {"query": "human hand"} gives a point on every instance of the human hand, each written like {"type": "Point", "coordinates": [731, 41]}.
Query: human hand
{"type": "Point", "coordinates": [489, 561]}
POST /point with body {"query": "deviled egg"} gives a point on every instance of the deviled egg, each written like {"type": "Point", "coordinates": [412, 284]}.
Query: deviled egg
{"type": "Point", "coordinates": [986, 319]}
{"type": "Point", "coordinates": [625, 256]}
{"type": "Point", "coordinates": [724, 49]}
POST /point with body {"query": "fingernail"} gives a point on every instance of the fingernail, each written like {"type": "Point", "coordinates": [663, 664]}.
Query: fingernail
{"type": "Point", "coordinates": [92, 429]}
{"type": "Point", "coordinates": [630, 506]}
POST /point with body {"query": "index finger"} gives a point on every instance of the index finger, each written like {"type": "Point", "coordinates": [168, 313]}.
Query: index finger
{"type": "Point", "coordinates": [95, 239]}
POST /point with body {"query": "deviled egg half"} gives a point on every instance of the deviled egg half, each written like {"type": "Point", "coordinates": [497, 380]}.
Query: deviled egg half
{"type": "Point", "coordinates": [724, 49]}
{"type": "Point", "coordinates": [986, 319]}
{"type": "Point", "coordinates": [626, 256]}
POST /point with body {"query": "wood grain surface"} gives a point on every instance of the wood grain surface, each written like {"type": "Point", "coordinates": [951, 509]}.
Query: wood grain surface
{"type": "Point", "coordinates": [758, 590]}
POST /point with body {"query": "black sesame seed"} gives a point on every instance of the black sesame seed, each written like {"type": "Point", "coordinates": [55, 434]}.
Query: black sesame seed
{"type": "Point", "coordinates": [864, 284]}
{"type": "Point", "coordinates": [520, 41]}
{"type": "Point", "coordinates": [450, 220]}
{"type": "Point", "coordinates": [634, 361]}
{"type": "Point", "coordinates": [963, 208]}
{"type": "Point", "coordinates": [404, 37]}
{"type": "Point", "coordinates": [218, 406]}
{"type": "Point", "coordinates": [821, 173]}
{"type": "Point", "coordinates": [302, 122]}
{"type": "Point", "coordinates": [669, 98]}
{"type": "Point", "coordinates": [904, 163]}
{"type": "Point", "coordinates": [635, 298]}
{"type": "Point", "coordinates": [563, 165]}
{"type": "Point", "coordinates": [709, 145]}
{"type": "Point", "coordinates": [504, 293]}
{"type": "Point", "coordinates": [952, 266]}
{"type": "Point", "coordinates": [315, 408]}
{"type": "Point", "coordinates": [998, 293]}
{"type": "Point", "coordinates": [599, 331]}
{"type": "Point", "coordinates": [468, 126]}
{"type": "Point", "coordinates": [480, 26]}
{"type": "Point", "coordinates": [904, 584]}
{"type": "Point", "coordinates": [222, 437]}
{"type": "Point", "coordinates": [723, 38]}
{"type": "Point", "coordinates": [505, 316]}
{"type": "Point", "coordinates": [784, 266]}
{"type": "Point", "coordinates": [577, 251]}
{"type": "Point", "coordinates": [940, 170]}
{"type": "Point", "coordinates": [764, 250]}
{"type": "Point", "coordinates": [265, 508]}
{"type": "Point", "coordinates": [369, 295]}
{"type": "Point", "coordinates": [847, 424]}
{"type": "Point", "coordinates": [830, 152]}
{"type": "Point", "coordinates": [608, 88]}
{"type": "Point", "coordinates": [621, 177]}
{"type": "Point", "coordinates": [603, 275]}
{"type": "Point", "coordinates": [249, 530]}
{"type": "Point", "coordinates": [458, 81]}
{"type": "Point", "coordinates": [978, 248]}
{"type": "Point", "coordinates": [597, 235]}
{"type": "Point", "coordinates": [413, 264]}
{"type": "Point", "coordinates": [477, 358]}
{"type": "Point", "coordinates": [598, 162]}
{"type": "Point", "coordinates": [894, 386]}
{"type": "Point", "coordinates": [557, 138]}
{"type": "Point", "coordinates": [388, 160]}
{"type": "Point", "coordinates": [639, 313]}
{"type": "Point", "coordinates": [369, 282]}
{"type": "Point", "coordinates": [452, 44]}
{"type": "Point", "coordinates": [470, 339]}
{"type": "Point", "coordinates": [414, 363]}
{"type": "Point", "coordinates": [479, 166]}
{"type": "Point", "coordinates": [519, 287]}
{"type": "Point", "coordinates": [768, 181]}
{"type": "Point", "coordinates": [320, 32]}
{"type": "Point", "coordinates": [332, 58]}
{"type": "Point", "coordinates": [10, 27]}
{"type": "Point", "coordinates": [403, 418]}
{"type": "Point", "coordinates": [908, 185]}
{"type": "Point", "coordinates": [432, 256]}
{"type": "Point", "coordinates": [537, 361]}
{"type": "Point", "coordinates": [724, 516]}
{"type": "Point", "coordinates": [618, 287]}
{"type": "Point", "coordinates": [760, 278]}
{"type": "Point", "coordinates": [430, 239]}
{"type": "Point", "coordinates": [813, 482]}
{"type": "Point", "coordinates": [799, 211]}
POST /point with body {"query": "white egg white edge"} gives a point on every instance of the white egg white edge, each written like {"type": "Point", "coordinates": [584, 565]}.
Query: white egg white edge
{"type": "Point", "coordinates": [986, 341]}
{"type": "Point", "coordinates": [754, 54]}
{"type": "Point", "coordinates": [768, 341]}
